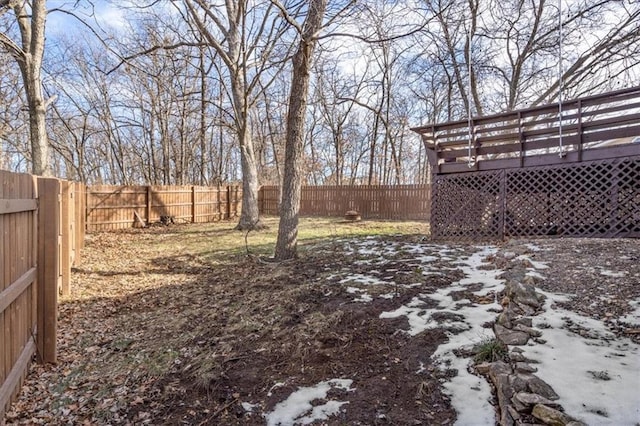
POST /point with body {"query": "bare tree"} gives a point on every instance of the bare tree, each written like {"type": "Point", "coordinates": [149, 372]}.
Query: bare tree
{"type": "Point", "coordinates": [28, 53]}
{"type": "Point", "coordinates": [511, 49]}
{"type": "Point", "coordinates": [335, 94]}
{"type": "Point", "coordinates": [249, 37]}
{"type": "Point", "coordinates": [286, 245]}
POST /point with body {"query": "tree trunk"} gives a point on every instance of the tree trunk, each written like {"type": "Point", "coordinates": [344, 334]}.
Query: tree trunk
{"type": "Point", "coordinates": [29, 58]}
{"type": "Point", "coordinates": [37, 125]}
{"type": "Point", "coordinates": [250, 213]}
{"type": "Point", "coordinates": [286, 245]}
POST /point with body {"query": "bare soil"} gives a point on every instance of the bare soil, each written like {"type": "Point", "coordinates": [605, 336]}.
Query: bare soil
{"type": "Point", "coordinates": [157, 333]}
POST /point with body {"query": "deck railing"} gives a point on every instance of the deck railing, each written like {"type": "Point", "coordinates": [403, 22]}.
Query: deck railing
{"type": "Point", "coordinates": [601, 126]}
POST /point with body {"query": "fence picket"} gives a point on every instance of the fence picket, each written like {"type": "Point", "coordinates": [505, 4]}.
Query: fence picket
{"type": "Point", "coordinates": [391, 202]}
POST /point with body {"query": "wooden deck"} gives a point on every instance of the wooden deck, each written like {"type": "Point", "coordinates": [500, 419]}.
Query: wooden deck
{"type": "Point", "coordinates": [593, 128]}
{"type": "Point", "coordinates": [519, 178]}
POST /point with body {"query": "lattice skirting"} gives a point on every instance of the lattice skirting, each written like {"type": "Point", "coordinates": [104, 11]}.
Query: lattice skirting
{"type": "Point", "coordinates": [589, 199]}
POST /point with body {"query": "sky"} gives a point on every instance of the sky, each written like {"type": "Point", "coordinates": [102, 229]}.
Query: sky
{"type": "Point", "coordinates": [103, 14]}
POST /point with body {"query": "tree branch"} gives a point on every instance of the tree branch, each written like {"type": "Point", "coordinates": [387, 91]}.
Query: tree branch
{"type": "Point", "coordinates": [12, 47]}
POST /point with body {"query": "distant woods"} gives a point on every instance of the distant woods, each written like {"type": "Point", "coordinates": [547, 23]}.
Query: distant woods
{"type": "Point", "coordinates": [194, 92]}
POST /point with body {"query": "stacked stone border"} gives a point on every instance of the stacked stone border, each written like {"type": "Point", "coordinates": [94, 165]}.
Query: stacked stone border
{"type": "Point", "coordinates": [523, 398]}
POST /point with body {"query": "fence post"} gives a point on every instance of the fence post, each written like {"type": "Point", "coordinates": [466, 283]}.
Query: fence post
{"type": "Point", "coordinates": [148, 205]}
{"type": "Point", "coordinates": [228, 201]}
{"type": "Point", "coordinates": [48, 266]}
{"type": "Point", "coordinates": [193, 204]}
{"type": "Point", "coordinates": [81, 218]}
{"type": "Point", "coordinates": [66, 233]}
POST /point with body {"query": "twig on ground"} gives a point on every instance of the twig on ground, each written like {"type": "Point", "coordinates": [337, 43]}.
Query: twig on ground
{"type": "Point", "coordinates": [218, 412]}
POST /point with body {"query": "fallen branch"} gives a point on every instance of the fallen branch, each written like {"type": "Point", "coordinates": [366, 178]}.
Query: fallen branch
{"type": "Point", "coordinates": [218, 412]}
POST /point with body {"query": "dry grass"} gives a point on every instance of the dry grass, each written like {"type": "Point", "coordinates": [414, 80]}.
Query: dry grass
{"type": "Point", "coordinates": [149, 308]}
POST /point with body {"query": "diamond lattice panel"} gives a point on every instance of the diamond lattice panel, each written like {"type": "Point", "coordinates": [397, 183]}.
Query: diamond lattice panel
{"type": "Point", "coordinates": [467, 206]}
{"type": "Point", "coordinates": [556, 200]}
{"type": "Point", "coordinates": [589, 199]}
{"type": "Point", "coordinates": [593, 199]}
{"type": "Point", "coordinates": [626, 217]}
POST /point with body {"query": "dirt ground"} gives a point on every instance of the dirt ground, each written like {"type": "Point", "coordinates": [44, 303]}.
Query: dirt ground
{"type": "Point", "coordinates": [156, 332]}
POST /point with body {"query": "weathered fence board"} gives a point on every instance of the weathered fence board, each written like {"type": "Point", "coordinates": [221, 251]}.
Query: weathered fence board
{"type": "Point", "coordinates": [40, 239]}
{"type": "Point", "coordinates": [112, 207]}
{"type": "Point", "coordinates": [391, 202]}
{"type": "Point", "coordinates": [49, 278]}
{"type": "Point", "coordinates": [18, 263]}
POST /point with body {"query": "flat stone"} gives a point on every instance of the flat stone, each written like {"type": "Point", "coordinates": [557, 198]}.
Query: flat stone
{"type": "Point", "coordinates": [530, 399]}
{"type": "Point", "coordinates": [483, 368]}
{"type": "Point", "coordinates": [498, 368]}
{"type": "Point", "coordinates": [506, 317]}
{"type": "Point", "coordinates": [530, 331]}
{"type": "Point", "coordinates": [523, 367]}
{"type": "Point", "coordinates": [517, 357]}
{"type": "Point", "coordinates": [510, 337]}
{"type": "Point", "coordinates": [519, 406]}
{"type": "Point", "coordinates": [551, 416]}
{"type": "Point", "coordinates": [518, 383]}
{"type": "Point", "coordinates": [523, 294]}
{"type": "Point", "coordinates": [539, 386]}
{"type": "Point", "coordinates": [531, 280]}
{"type": "Point", "coordinates": [526, 321]}
{"type": "Point", "coordinates": [514, 413]}
{"type": "Point", "coordinates": [506, 419]}
{"type": "Point", "coordinates": [504, 393]}
{"type": "Point", "coordinates": [526, 309]}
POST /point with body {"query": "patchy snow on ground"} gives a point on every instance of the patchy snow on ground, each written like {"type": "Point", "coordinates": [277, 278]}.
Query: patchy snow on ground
{"type": "Point", "coordinates": [534, 247]}
{"type": "Point", "coordinates": [249, 407]}
{"type": "Point", "coordinates": [470, 395]}
{"type": "Point", "coordinates": [363, 295]}
{"type": "Point", "coordinates": [633, 318]}
{"type": "Point", "coordinates": [595, 373]}
{"type": "Point", "coordinates": [299, 408]}
{"type": "Point", "coordinates": [614, 274]}
{"type": "Point", "coordinates": [364, 279]}
{"type": "Point", "coordinates": [596, 376]}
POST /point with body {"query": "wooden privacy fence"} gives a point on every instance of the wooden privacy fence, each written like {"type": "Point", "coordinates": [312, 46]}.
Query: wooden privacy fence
{"type": "Point", "coordinates": [112, 207]}
{"type": "Point", "coordinates": [41, 234]}
{"type": "Point", "coordinates": [393, 202]}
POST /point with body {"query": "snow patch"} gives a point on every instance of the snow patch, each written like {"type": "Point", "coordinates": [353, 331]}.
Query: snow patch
{"type": "Point", "coordinates": [470, 394]}
{"type": "Point", "coordinates": [363, 279]}
{"type": "Point", "coordinates": [298, 409]}
{"type": "Point", "coordinates": [387, 296]}
{"type": "Point", "coordinates": [614, 274]}
{"type": "Point", "coordinates": [634, 317]}
{"type": "Point", "coordinates": [604, 369]}
{"type": "Point", "coordinates": [248, 407]}
{"type": "Point", "coordinates": [364, 296]}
